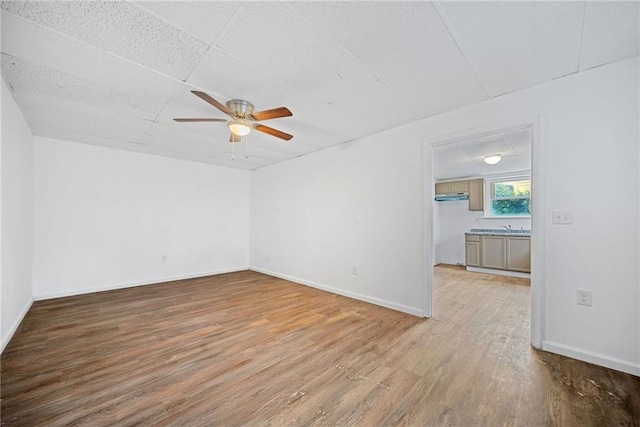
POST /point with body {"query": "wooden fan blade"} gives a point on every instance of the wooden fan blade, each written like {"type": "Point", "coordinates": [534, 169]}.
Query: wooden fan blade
{"type": "Point", "coordinates": [200, 120]}
{"type": "Point", "coordinates": [213, 102]}
{"type": "Point", "coordinates": [271, 131]}
{"type": "Point", "coordinates": [234, 138]}
{"type": "Point", "coordinates": [271, 114]}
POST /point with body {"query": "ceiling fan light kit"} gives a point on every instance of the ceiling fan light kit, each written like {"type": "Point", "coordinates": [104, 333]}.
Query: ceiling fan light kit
{"type": "Point", "coordinates": [239, 127]}
{"type": "Point", "coordinates": [243, 119]}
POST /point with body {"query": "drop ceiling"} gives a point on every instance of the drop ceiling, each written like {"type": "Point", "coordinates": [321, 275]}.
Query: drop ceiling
{"type": "Point", "coordinates": [465, 159]}
{"type": "Point", "coordinates": [115, 74]}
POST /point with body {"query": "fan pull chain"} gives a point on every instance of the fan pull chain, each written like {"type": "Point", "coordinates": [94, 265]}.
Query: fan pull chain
{"type": "Point", "coordinates": [233, 151]}
{"type": "Point", "coordinates": [246, 146]}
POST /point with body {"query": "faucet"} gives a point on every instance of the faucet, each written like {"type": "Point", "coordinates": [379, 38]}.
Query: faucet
{"type": "Point", "coordinates": [505, 227]}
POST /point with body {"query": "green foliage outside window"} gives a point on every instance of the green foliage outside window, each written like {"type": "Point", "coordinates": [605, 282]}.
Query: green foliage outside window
{"type": "Point", "coordinates": [511, 198]}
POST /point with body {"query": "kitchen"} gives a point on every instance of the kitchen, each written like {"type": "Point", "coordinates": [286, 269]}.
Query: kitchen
{"type": "Point", "coordinates": [482, 208]}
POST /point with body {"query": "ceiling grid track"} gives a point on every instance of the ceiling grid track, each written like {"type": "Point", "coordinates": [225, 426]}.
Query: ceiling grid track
{"type": "Point", "coordinates": [452, 33]}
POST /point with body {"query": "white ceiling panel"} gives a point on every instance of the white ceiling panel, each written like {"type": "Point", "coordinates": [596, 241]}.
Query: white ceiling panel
{"type": "Point", "coordinates": [513, 45]}
{"type": "Point", "coordinates": [465, 158]}
{"type": "Point", "coordinates": [44, 110]}
{"type": "Point", "coordinates": [225, 78]}
{"type": "Point", "coordinates": [370, 112]}
{"type": "Point", "coordinates": [185, 104]}
{"type": "Point", "coordinates": [448, 155]}
{"type": "Point", "coordinates": [91, 139]}
{"type": "Point", "coordinates": [611, 33]}
{"type": "Point", "coordinates": [44, 47]}
{"type": "Point", "coordinates": [22, 75]}
{"type": "Point", "coordinates": [120, 28]}
{"type": "Point", "coordinates": [184, 145]}
{"type": "Point", "coordinates": [102, 71]}
{"type": "Point", "coordinates": [441, 171]}
{"type": "Point", "coordinates": [477, 149]}
{"type": "Point", "coordinates": [270, 36]}
{"type": "Point", "coordinates": [182, 141]}
{"type": "Point", "coordinates": [519, 138]}
{"type": "Point", "coordinates": [406, 45]}
{"type": "Point", "coordinates": [202, 19]}
{"type": "Point", "coordinates": [219, 72]}
{"type": "Point", "coordinates": [521, 144]}
{"type": "Point", "coordinates": [213, 138]}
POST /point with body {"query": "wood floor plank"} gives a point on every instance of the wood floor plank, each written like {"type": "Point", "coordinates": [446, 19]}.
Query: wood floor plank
{"type": "Point", "coordinates": [249, 349]}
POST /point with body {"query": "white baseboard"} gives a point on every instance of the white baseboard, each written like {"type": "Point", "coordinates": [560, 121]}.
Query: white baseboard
{"type": "Point", "coordinates": [132, 284]}
{"type": "Point", "coordinates": [371, 300]}
{"type": "Point", "coordinates": [16, 324]}
{"type": "Point", "coordinates": [499, 272]}
{"type": "Point", "coordinates": [592, 357]}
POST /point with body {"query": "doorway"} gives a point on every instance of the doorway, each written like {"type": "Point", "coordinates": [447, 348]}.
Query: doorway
{"type": "Point", "coordinates": [460, 157]}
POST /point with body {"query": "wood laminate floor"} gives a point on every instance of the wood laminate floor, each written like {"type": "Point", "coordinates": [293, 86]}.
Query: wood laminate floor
{"type": "Point", "coordinates": [249, 349]}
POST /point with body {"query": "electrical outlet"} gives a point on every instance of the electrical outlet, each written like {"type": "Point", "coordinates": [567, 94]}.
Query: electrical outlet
{"type": "Point", "coordinates": [164, 258]}
{"type": "Point", "coordinates": [583, 297]}
{"type": "Point", "coordinates": [354, 270]}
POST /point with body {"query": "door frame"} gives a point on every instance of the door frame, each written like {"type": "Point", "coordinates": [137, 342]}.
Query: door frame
{"type": "Point", "coordinates": [538, 209]}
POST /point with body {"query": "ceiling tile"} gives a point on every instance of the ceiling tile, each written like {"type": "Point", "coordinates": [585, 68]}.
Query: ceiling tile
{"type": "Point", "coordinates": [183, 141]}
{"type": "Point", "coordinates": [22, 75]}
{"type": "Point", "coordinates": [611, 33]}
{"type": "Point", "coordinates": [90, 139]}
{"type": "Point", "coordinates": [465, 158]}
{"type": "Point", "coordinates": [456, 171]}
{"type": "Point", "coordinates": [181, 144]}
{"type": "Point", "coordinates": [202, 19]}
{"type": "Point", "coordinates": [226, 77]}
{"type": "Point", "coordinates": [44, 47]}
{"type": "Point", "coordinates": [520, 142]}
{"type": "Point", "coordinates": [44, 110]}
{"type": "Point", "coordinates": [185, 104]}
{"type": "Point", "coordinates": [448, 154]}
{"type": "Point", "coordinates": [406, 45]}
{"type": "Point", "coordinates": [271, 37]}
{"type": "Point", "coordinates": [146, 149]}
{"type": "Point", "coordinates": [368, 110]}
{"type": "Point", "coordinates": [214, 135]}
{"type": "Point", "coordinates": [121, 28]}
{"type": "Point", "coordinates": [478, 148]}
{"type": "Point", "coordinates": [104, 71]}
{"type": "Point", "coordinates": [513, 45]}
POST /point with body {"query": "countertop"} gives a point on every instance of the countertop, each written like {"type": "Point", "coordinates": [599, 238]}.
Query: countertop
{"type": "Point", "coordinates": [499, 232]}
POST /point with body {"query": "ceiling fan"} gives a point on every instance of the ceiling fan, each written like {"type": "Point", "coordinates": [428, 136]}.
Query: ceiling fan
{"type": "Point", "coordinates": [243, 118]}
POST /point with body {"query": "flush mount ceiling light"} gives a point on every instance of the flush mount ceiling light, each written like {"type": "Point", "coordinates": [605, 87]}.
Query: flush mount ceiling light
{"type": "Point", "coordinates": [239, 127]}
{"type": "Point", "coordinates": [492, 159]}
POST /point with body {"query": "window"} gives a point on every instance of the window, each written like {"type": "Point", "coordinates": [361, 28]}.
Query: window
{"type": "Point", "coordinates": [510, 197]}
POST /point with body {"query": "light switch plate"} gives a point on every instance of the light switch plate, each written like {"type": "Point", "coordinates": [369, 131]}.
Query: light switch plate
{"type": "Point", "coordinates": [562, 217]}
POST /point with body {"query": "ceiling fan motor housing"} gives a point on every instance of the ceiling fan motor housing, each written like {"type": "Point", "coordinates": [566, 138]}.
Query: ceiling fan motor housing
{"type": "Point", "coordinates": [240, 107]}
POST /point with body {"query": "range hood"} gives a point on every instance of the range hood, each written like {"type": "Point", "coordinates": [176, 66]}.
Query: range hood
{"type": "Point", "coordinates": [450, 197]}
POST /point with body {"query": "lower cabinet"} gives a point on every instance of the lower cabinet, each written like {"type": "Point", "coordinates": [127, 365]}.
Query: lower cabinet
{"type": "Point", "coordinates": [519, 254]}
{"type": "Point", "coordinates": [494, 252]}
{"type": "Point", "coordinates": [498, 252]}
{"type": "Point", "coordinates": [472, 251]}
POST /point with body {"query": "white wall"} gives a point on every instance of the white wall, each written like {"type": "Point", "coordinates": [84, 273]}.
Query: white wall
{"type": "Point", "coordinates": [105, 218]}
{"type": "Point", "coordinates": [454, 219]}
{"type": "Point", "coordinates": [357, 205]}
{"type": "Point", "coordinates": [16, 214]}
{"type": "Point", "coordinates": [361, 204]}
